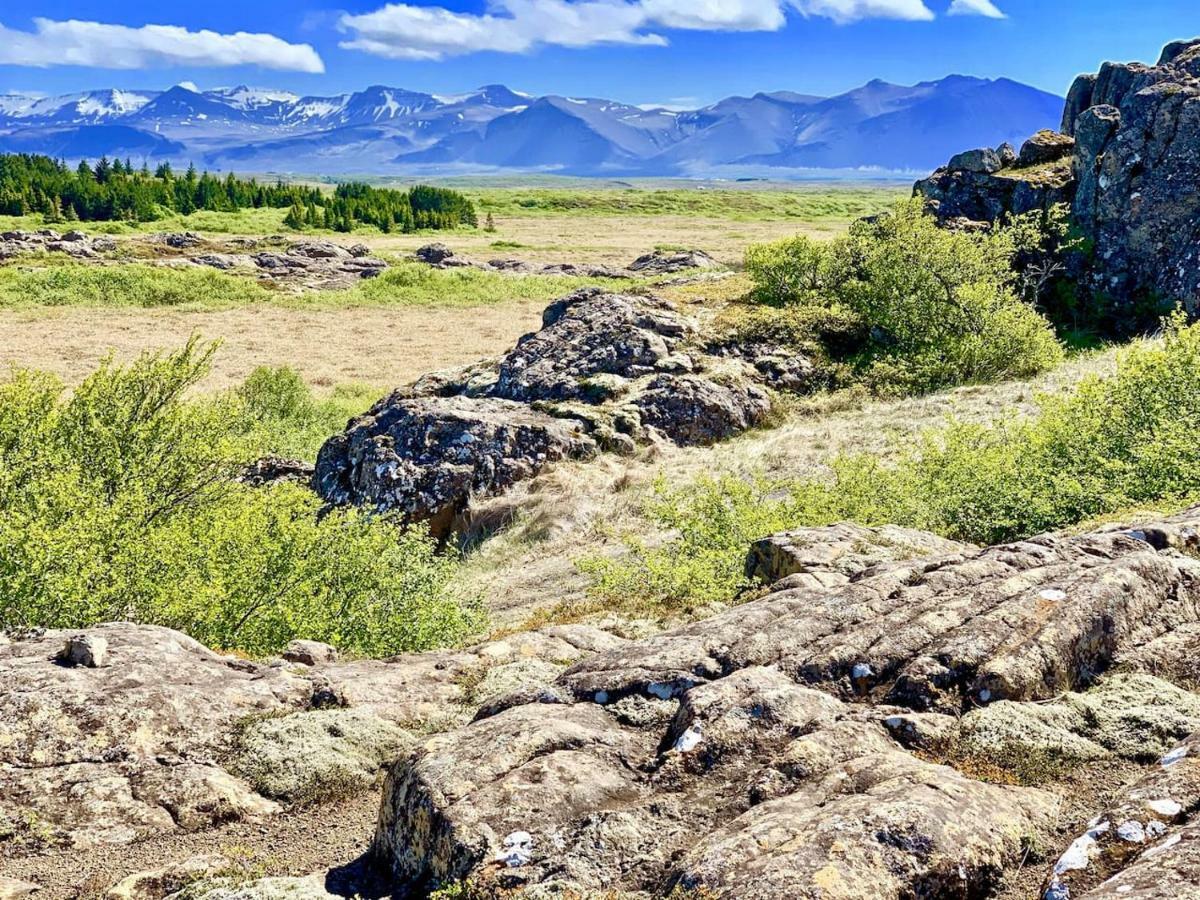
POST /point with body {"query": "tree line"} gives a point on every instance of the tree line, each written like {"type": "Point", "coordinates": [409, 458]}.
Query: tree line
{"type": "Point", "coordinates": [114, 190]}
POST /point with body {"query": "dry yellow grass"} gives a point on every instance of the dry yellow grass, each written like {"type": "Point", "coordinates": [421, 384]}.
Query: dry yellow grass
{"type": "Point", "coordinates": [384, 347]}
{"type": "Point", "coordinates": [576, 510]}
{"type": "Point", "coordinates": [607, 240]}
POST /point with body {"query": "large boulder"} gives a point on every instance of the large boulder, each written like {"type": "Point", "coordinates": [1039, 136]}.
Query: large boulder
{"type": "Point", "coordinates": [1045, 147]}
{"type": "Point", "coordinates": [667, 262]}
{"type": "Point", "coordinates": [604, 372]}
{"type": "Point", "coordinates": [587, 334]}
{"type": "Point", "coordinates": [752, 754]}
{"type": "Point", "coordinates": [425, 457]}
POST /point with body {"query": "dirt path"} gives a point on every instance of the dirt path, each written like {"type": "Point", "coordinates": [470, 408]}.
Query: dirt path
{"type": "Point", "coordinates": [383, 347]}
{"type": "Point", "coordinates": [332, 837]}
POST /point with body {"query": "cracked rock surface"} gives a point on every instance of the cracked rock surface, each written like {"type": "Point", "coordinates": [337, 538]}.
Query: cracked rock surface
{"type": "Point", "coordinates": [768, 765]}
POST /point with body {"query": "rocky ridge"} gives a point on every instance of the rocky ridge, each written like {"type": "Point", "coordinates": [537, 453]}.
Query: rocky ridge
{"type": "Point", "coordinates": [818, 742]}
{"type": "Point", "coordinates": [1127, 163]}
{"type": "Point", "coordinates": [782, 749]}
{"type": "Point", "coordinates": [605, 372]}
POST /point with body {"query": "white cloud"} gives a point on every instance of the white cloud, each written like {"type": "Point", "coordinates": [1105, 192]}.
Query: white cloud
{"type": "Point", "coordinates": [94, 44]}
{"type": "Point", "coordinates": [846, 11]}
{"type": "Point", "coordinates": [404, 31]}
{"type": "Point", "coordinates": [976, 8]}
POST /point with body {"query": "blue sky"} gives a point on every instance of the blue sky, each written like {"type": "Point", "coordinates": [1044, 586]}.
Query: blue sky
{"type": "Point", "coordinates": [679, 52]}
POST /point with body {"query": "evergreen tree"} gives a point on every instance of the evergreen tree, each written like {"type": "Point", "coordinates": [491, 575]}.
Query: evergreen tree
{"type": "Point", "coordinates": [295, 218]}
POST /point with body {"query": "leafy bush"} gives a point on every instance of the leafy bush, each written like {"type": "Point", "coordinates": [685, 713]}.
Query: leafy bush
{"type": "Point", "coordinates": [1115, 442]}
{"type": "Point", "coordinates": [940, 306]}
{"type": "Point", "coordinates": [119, 503]}
{"type": "Point", "coordinates": [280, 415]}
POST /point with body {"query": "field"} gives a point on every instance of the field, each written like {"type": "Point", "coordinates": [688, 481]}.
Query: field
{"type": "Point", "coordinates": [65, 318]}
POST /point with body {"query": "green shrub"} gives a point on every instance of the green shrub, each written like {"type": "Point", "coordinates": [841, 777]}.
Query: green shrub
{"type": "Point", "coordinates": [794, 270]}
{"type": "Point", "coordinates": [117, 503]}
{"type": "Point", "coordinates": [1127, 440]}
{"type": "Point", "coordinates": [940, 306]}
{"type": "Point", "coordinates": [280, 415]}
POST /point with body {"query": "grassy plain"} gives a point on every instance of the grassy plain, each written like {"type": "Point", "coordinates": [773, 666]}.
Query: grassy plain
{"type": "Point", "coordinates": [64, 317]}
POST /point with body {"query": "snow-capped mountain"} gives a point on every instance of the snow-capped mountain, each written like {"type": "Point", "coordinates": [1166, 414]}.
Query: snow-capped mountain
{"type": "Point", "coordinates": [383, 129]}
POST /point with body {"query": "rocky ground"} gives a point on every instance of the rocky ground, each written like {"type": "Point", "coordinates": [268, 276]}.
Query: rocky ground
{"type": "Point", "coordinates": [305, 264]}
{"type": "Point", "coordinates": [899, 716]}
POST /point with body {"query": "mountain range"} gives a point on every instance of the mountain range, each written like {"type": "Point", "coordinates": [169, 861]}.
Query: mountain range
{"type": "Point", "coordinates": [878, 128]}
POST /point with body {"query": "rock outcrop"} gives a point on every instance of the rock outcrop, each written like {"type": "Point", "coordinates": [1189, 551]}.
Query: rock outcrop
{"type": "Point", "coordinates": [425, 457]}
{"type": "Point", "coordinates": [1128, 162]}
{"type": "Point", "coordinates": [167, 736]}
{"type": "Point", "coordinates": [755, 754]}
{"type": "Point", "coordinates": [605, 372]}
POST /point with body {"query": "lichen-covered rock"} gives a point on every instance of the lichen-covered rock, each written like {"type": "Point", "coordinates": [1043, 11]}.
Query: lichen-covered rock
{"type": "Point", "coordinates": [1024, 621]}
{"type": "Point", "coordinates": [1136, 717]}
{"type": "Point", "coordinates": [665, 262]}
{"type": "Point", "coordinates": [308, 756]}
{"type": "Point", "coordinates": [695, 411]}
{"type": "Point", "coordinates": [603, 372]}
{"type": "Point", "coordinates": [1145, 843]}
{"type": "Point", "coordinates": [587, 334]}
{"type": "Point", "coordinates": [835, 555]}
{"type": "Point", "coordinates": [1045, 147]}
{"type": "Point", "coordinates": [1128, 163]}
{"type": "Point", "coordinates": [425, 457]}
{"type": "Point", "coordinates": [311, 887]}
{"type": "Point", "coordinates": [170, 736]}
{"type": "Point", "coordinates": [954, 195]}
{"type": "Point", "coordinates": [155, 884]}
{"type": "Point", "coordinates": [985, 161]}
{"type": "Point", "coordinates": [779, 774]}
{"type": "Point", "coordinates": [104, 755]}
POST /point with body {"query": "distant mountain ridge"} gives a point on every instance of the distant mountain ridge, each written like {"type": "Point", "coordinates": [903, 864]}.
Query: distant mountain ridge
{"type": "Point", "coordinates": [878, 127]}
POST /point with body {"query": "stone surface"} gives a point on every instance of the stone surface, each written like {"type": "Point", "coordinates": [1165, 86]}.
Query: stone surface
{"type": "Point", "coordinates": [311, 887]}
{"type": "Point", "coordinates": [315, 755]}
{"type": "Point", "coordinates": [1147, 841]}
{"type": "Point", "coordinates": [827, 557]}
{"type": "Point", "coordinates": [426, 457]}
{"type": "Point", "coordinates": [695, 411]}
{"type": "Point", "coordinates": [587, 334]}
{"type": "Point", "coordinates": [666, 262]}
{"type": "Point", "coordinates": [154, 884]}
{"type": "Point", "coordinates": [173, 737]}
{"type": "Point", "coordinates": [779, 767]}
{"type": "Point", "coordinates": [14, 889]}
{"type": "Point", "coordinates": [1045, 147]}
{"type": "Point", "coordinates": [984, 162]}
{"type": "Point", "coordinates": [89, 651]}
{"type": "Point", "coordinates": [1136, 717]}
{"type": "Point", "coordinates": [309, 653]}
{"type": "Point", "coordinates": [434, 254]}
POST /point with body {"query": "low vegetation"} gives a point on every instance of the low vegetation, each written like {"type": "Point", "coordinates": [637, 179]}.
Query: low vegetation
{"type": "Point", "coordinates": [59, 282]}
{"type": "Point", "coordinates": [1115, 442]}
{"type": "Point", "coordinates": [809, 204]}
{"type": "Point", "coordinates": [928, 307]}
{"type": "Point", "coordinates": [120, 502]}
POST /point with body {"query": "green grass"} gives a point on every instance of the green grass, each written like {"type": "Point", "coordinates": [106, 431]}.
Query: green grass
{"type": "Point", "coordinates": [59, 282]}
{"type": "Point", "coordinates": [817, 204]}
{"type": "Point", "coordinates": [128, 285]}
